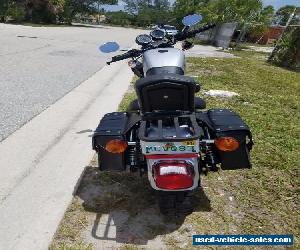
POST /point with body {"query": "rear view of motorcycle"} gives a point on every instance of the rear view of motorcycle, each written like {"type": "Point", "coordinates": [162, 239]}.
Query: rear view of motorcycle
{"type": "Point", "coordinates": [166, 133]}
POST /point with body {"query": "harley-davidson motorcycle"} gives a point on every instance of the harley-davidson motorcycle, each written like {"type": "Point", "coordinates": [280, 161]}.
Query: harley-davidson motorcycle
{"type": "Point", "coordinates": [166, 133]}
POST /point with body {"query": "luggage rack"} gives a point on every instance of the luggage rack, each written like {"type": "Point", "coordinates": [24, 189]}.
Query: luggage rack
{"type": "Point", "coordinates": [178, 128]}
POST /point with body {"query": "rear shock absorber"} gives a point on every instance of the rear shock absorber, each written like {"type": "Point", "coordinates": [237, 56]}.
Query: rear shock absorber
{"type": "Point", "coordinates": [209, 154]}
{"type": "Point", "coordinates": [135, 158]}
{"type": "Point", "coordinates": [142, 165]}
{"type": "Point", "coordinates": [131, 153]}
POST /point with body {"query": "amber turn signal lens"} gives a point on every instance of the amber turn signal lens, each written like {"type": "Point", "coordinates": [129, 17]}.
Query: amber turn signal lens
{"type": "Point", "coordinates": [227, 144]}
{"type": "Point", "coordinates": [116, 146]}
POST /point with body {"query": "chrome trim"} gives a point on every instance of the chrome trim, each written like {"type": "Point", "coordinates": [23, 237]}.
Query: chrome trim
{"type": "Point", "coordinates": [131, 143]}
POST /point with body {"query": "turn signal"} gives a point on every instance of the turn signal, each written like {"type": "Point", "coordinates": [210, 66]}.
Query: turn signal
{"type": "Point", "coordinates": [227, 144]}
{"type": "Point", "coordinates": [116, 146]}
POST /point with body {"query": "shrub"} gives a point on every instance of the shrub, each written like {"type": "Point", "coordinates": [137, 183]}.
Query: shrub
{"type": "Point", "coordinates": [119, 18]}
{"type": "Point", "coordinates": [16, 12]}
{"type": "Point", "coordinates": [287, 53]}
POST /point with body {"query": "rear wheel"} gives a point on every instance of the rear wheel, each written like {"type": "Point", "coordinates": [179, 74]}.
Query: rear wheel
{"type": "Point", "coordinates": [175, 203]}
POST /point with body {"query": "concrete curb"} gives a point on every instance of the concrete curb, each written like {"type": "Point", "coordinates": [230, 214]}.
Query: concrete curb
{"type": "Point", "coordinates": [41, 162]}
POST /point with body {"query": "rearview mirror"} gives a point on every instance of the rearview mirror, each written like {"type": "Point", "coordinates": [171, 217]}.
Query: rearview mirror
{"type": "Point", "coordinates": [191, 20]}
{"type": "Point", "coordinates": [109, 47]}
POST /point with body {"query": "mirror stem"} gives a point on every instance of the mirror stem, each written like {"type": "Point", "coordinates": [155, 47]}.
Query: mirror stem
{"type": "Point", "coordinates": [185, 29]}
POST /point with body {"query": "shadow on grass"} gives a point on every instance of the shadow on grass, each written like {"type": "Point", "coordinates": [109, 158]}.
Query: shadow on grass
{"type": "Point", "coordinates": [125, 208]}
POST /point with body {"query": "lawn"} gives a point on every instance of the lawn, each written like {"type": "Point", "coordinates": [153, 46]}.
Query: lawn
{"type": "Point", "coordinates": [262, 200]}
{"type": "Point", "coordinates": [266, 196]}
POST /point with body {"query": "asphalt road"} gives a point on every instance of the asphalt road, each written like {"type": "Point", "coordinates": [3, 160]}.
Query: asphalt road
{"type": "Point", "coordinates": [39, 65]}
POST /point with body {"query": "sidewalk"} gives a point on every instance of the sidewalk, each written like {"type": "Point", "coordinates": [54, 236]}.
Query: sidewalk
{"type": "Point", "coordinates": [41, 163]}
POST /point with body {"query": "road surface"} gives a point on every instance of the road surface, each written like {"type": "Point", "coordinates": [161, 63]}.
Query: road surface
{"type": "Point", "coordinates": [39, 65]}
{"type": "Point", "coordinates": [51, 101]}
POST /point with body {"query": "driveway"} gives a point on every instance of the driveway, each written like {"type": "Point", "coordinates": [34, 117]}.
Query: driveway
{"type": "Point", "coordinates": [39, 65]}
{"type": "Point", "coordinates": [207, 51]}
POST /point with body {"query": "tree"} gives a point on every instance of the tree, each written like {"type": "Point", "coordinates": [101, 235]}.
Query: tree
{"type": "Point", "coordinates": [283, 14]}
{"type": "Point", "coordinates": [148, 12]}
{"type": "Point", "coordinates": [134, 6]}
{"type": "Point", "coordinates": [240, 11]}
{"type": "Point", "coordinates": [48, 11]}
{"type": "Point", "coordinates": [161, 4]}
{"type": "Point", "coordinates": [258, 29]}
{"type": "Point", "coordinates": [15, 10]}
{"type": "Point", "coordinates": [185, 7]}
{"type": "Point", "coordinates": [267, 15]}
{"type": "Point", "coordinates": [288, 50]}
{"type": "Point", "coordinates": [45, 11]}
{"type": "Point", "coordinates": [220, 10]}
{"type": "Point", "coordinates": [73, 7]}
{"type": "Point", "coordinates": [3, 9]}
{"type": "Point", "coordinates": [151, 16]}
{"type": "Point", "coordinates": [119, 18]}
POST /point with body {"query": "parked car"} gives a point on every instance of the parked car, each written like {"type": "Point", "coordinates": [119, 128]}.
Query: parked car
{"type": "Point", "coordinates": [169, 29]}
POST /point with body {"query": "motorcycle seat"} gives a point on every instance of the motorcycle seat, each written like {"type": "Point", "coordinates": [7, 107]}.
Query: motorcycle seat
{"type": "Point", "coordinates": [199, 104]}
{"type": "Point", "coordinates": [166, 92]}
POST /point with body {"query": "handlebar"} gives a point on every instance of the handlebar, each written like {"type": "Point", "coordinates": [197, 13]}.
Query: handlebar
{"type": "Point", "coordinates": [129, 54]}
{"type": "Point", "coordinates": [178, 37]}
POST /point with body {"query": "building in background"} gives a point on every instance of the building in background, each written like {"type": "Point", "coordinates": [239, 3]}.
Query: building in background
{"type": "Point", "coordinates": [271, 35]}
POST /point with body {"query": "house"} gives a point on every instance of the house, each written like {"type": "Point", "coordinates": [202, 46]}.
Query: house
{"type": "Point", "coordinates": [271, 35]}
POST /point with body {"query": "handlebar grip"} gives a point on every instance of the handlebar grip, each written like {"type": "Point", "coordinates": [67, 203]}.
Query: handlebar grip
{"type": "Point", "coordinates": [120, 57]}
{"type": "Point", "coordinates": [131, 53]}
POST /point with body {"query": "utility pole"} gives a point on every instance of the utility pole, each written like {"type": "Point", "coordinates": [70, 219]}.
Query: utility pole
{"type": "Point", "coordinates": [276, 48]}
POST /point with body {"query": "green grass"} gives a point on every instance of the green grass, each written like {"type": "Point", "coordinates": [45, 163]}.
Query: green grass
{"type": "Point", "coordinates": [267, 195]}
{"type": "Point", "coordinates": [68, 235]}
{"type": "Point", "coordinates": [128, 97]}
{"type": "Point", "coordinates": [269, 101]}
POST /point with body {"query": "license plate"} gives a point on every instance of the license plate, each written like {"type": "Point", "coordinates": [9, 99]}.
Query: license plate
{"type": "Point", "coordinates": [152, 148]}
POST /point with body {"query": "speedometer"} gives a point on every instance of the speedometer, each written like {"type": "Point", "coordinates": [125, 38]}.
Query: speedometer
{"type": "Point", "coordinates": [157, 34]}
{"type": "Point", "coordinates": [143, 39]}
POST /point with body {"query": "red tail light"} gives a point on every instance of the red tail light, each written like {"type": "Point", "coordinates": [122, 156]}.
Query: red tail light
{"type": "Point", "coordinates": [173, 175]}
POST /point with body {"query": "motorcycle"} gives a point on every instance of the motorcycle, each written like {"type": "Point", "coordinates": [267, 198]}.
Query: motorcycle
{"type": "Point", "coordinates": [166, 133]}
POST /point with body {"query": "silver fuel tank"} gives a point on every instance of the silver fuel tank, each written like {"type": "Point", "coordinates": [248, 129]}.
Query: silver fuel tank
{"type": "Point", "coordinates": [163, 57]}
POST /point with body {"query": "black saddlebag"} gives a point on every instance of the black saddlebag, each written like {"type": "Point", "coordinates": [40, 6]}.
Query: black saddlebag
{"type": "Point", "coordinates": [224, 123]}
{"type": "Point", "coordinates": [112, 126]}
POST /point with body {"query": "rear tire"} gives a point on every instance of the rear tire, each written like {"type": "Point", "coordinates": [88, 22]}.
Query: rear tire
{"type": "Point", "coordinates": [175, 203]}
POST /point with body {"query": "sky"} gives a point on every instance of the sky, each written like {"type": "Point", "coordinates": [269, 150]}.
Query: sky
{"type": "Point", "coordinates": [279, 3]}
{"type": "Point", "coordinates": [276, 3]}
